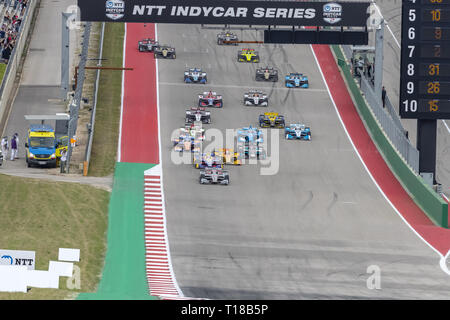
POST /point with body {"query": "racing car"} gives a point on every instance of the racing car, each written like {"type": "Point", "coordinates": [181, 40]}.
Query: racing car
{"type": "Point", "coordinates": [210, 99]}
{"type": "Point", "coordinates": [256, 98]}
{"type": "Point", "coordinates": [198, 114]}
{"type": "Point", "coordinates": [207, 160]}
{"type": "Point", "coordinates": [214, 176]}
{"type": "Point", "coordinates": [225, 37]}
{"type": "Point", "coordinates": [294, 80]}
{"type": "Point", "coordinates": [252, 151]}
{"type": "Point", "coordinates": [248, 55]}
{"type": "Point", "coordinates": [147, 45]}
{"type": "Point", "coordinates": [195, 75]}
{"type": "Point", "coordinates": [165, 52]}
{"type": "Point", "coordinates": [271, 120]}
{"type": "Point", "coordinates": [250, 134]}
{"type": "Point", "coordinates": [228, 156]}
{"type": "Point", "coordinates": [186, 143]}
{"type": "Point", "coordinates": [195, 131]}
{"type": "Point", "coordinates": [297, 131]}
{"type": "Point", "coordinates": [266, 74]}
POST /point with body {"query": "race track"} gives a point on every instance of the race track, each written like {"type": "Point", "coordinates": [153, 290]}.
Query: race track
{"type": "Point", "coordinates": [309, 231]}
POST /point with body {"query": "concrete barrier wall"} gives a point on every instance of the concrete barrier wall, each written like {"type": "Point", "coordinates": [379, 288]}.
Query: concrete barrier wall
{"type": "Point", "coordinates": [6, 88]}
{"type": "Point", "coordinates": [423, 195]}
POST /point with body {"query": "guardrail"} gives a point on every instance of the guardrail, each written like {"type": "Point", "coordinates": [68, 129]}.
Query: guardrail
{"type": "Point", "coordinates": [74, 105]}
{"type": "Point", "coordinates": [422, 194]}
{"type": "Point", "coordinates": [91, 124]}
{"type": "Point", "coordinates": [14, 61]}
{"type": "Point", "coordinates": [388, 119]}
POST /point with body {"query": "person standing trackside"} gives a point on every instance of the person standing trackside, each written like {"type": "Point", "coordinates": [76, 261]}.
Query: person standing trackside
{"type": "Point", "coordinates": [13, 148]}
{"type": "Point", "coordinates": [5, 147]}
{"type": "Point", "coordinates": [16, 136]}
{"type": "Point", "coordinates": [383, 96]}
{"type": "Point", "coordinates": [63, 160]}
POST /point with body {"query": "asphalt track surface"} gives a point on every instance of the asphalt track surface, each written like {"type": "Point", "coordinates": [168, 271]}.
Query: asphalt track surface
{"type": "Point", "coordinates": [309, 231]}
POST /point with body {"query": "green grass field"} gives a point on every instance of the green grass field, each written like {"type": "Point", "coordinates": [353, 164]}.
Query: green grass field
{"type": "Point", "coordinates": [45, 216]}
{"type": "Point", "coordinates": [2, 71]}
{"type": "Point", "coordinates": [107, 118]}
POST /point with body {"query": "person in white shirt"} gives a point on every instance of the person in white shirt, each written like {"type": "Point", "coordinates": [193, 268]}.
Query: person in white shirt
{"type": "Point", "coordinates": [5, 147]}
{"type": "Point", "coordinates": [63, 160]}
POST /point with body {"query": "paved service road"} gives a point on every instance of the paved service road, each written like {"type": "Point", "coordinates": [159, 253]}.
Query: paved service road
{"type": "Point", "coordinates": [38, 91]}
{"type": "Point", "coordinates": [309, 231]}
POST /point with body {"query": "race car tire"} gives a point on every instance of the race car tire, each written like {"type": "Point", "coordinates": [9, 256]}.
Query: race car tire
{"type": "Point", "coordinates": [174, 56]}
{"type": "Point", "coordinates": [140, 49]}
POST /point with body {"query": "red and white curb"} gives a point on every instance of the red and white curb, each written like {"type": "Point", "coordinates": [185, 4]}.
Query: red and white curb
{"type": "Point", "coordinates": [160, 276]}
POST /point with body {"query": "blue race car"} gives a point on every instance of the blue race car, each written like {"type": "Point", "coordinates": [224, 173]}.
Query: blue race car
{"type": "Point", "coordinates": [295, 80]}
{"type": "Point", "coordinates": [195, 75]}
{"type": "Point", "coordinates": [252, 151]}
{"type": "Point", "coordinates": [297, 132]}
{"type": "Point", "coordinates": [249, 134]}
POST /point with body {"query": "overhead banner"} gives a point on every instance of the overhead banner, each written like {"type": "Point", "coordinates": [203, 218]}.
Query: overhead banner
{"type": "Point", "coordinates": [281, 13]}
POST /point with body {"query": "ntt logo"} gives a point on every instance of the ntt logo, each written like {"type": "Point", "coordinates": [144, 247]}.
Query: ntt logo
{"type": "Point", "coordinates": [115, 9]}
{"type": "Point", "coordinates": [332, 13]}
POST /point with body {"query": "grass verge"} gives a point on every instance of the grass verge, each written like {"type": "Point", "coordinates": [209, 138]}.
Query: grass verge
{"type": "Point", "coordinates": [44, 216]}
{"type": "Point", "coordinates": [2, 71]}
{"type": "Point", "coordinates": [107, 118]}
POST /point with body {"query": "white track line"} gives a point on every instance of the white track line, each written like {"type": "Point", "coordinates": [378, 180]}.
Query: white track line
{"type": "Point", "coordinates": [119, 155]}
{"type": "Point", "coordinates": [387, 25]}
{"type": "Point", "coordinates": [442, 258]}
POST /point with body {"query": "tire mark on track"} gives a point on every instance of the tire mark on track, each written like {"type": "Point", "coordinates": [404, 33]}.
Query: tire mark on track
{"type": "Point", "coordinates": [333, 203]}
{"type": "Point", "coordinates": [308, 201]}
{"type": "Point", "coordinates": [234, 261]}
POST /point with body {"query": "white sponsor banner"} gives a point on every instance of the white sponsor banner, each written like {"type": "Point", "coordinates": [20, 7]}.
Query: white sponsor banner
{"type": "Point", "coordinates": [64, 269]}
{"type": "Point", "coordinates": [67, 254]}
{"type": "Point", "coordinates": [13, 278]}
{"type": "Point", "coordinates": [42, 279]}
{"type": "Point", "coordinates": [18, 258]}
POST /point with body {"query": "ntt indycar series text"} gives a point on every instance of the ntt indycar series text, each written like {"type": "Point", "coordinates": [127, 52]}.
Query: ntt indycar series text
{"type": "Point", "coordinates": [219, 12]}
{"type": "Point", "coordinates": [228, 12]}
